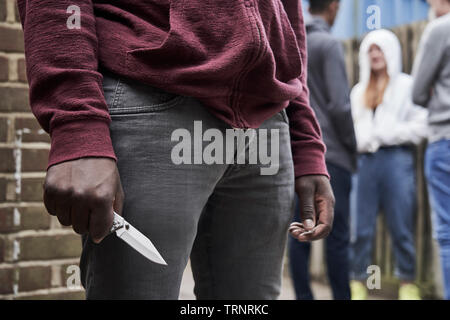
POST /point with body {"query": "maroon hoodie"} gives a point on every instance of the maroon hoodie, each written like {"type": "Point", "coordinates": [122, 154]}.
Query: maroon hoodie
{"type": "Point", "coordinates": [243, 59]}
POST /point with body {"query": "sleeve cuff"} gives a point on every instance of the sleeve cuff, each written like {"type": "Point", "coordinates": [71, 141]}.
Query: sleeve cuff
{"type": "Point", "coordinates": [310, 161]}
{"type": "Point", "coordinates": [79, 139]}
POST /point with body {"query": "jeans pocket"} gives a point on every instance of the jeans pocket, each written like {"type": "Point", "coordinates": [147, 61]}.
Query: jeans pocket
{"type": "Point", "coordinates": [128, 97]}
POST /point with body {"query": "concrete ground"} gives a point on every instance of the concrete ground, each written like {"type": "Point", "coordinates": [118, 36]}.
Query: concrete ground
{"type": "Point", "coordinates": [287, 292]}
{"type": "Point", "coordinates": [320, 290]}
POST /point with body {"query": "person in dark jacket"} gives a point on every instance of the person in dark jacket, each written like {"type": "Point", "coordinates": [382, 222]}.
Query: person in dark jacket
{"type": "Point", "coordinates": [329, 95]}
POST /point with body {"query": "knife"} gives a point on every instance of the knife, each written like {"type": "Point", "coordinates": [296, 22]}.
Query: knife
{"type": "Point", "coordinates": [136, 239]}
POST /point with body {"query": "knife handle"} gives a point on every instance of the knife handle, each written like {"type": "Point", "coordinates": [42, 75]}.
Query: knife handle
{"type": "Point", "coordinates": [118, 222]}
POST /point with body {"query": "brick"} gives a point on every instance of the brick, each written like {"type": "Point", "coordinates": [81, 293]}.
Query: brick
{"type": "Point", "coordinates": [2, 250]}
{"type": "Point", "coordinates": [22, 70]}
{"type": "Point", "coordinates": [6, 280]}
{"type": "Point", "coordinates": [32, 189]}
{"type": "Point", "coordinates": [50, 247]}
{"type": "Point", "coordinates": [4, 68]}
{"type": "Point", "coordinates": [34, 132]}
{"type": "Point", "coordinates": [34, 160]}
{"type": "Point", "coordinates": [7, 220]}
{"type": "Point", "coordinates": [3, 129]}
{"type": "Point", "coordinates": [64, 295]}
{"type": "Point", "coordinates": [7, 189]}
{"type": "Point", "coordinates": [2, 10]}
{"type": "Point", "coordinates": [7, 163]}
{"type": "Point", "coordinates": [34, 278]}
{"type": "Point", "coordinates": [11, 39]}
{"type": "Point", "coordinates": [14, 98]}
{"type": "Point", "coordinates": [31, 218]}
{"type": "Point", "coordinates": [36, 218]}
{"type": "Point", "coordinates": [3, 184]}
{"type": "Point", "coordinates": [16, 12]}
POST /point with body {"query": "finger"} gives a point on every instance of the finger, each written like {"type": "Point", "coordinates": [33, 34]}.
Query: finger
{"type": "Point", "coordinates": [63, 210]}
{"type": "Point", "coordinates": [307, 206]}
{"type": "Point", "coordinates": [80, 217]}
{"type": "Point", "coordinates": [325, 209]}
{"type": "Point", "coordinates": [293, 228]}
{"type": "Point", "coordinates": [296, 233]}
{"type": "Point", "coordinates": [100, 221]}
{"type": "Point", "coordinates": [49, 202]}
{"type": "Point", "coordinates": [325, 206]}
{"type": "Point", "coordinates": [297, 225]}
{"type": "Point", "coordinates": [320, 232]}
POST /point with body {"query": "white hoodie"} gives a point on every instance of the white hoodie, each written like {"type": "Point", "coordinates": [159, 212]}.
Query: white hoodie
{"type": "Point", "coordinates": [397, 120]}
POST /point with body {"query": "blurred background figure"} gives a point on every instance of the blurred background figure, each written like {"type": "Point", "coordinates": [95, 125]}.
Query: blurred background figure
{"type": "Point", "coordinates": [387, 125]}
{"type": "Point", "coordinates": [432, 90]}
{"type": "Point", "coordinates": [329, 94]}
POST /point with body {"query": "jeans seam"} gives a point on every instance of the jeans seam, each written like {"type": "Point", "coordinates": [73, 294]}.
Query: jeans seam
{"type": "Point", "coordinates": [284, 116]}
{"type": "Point", "coordinates": [117, 93]}
{"type": "Point", "coordinates": [147, 109]}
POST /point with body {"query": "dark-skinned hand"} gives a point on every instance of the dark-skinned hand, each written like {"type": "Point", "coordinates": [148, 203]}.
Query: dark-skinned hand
{"type": "Point", "coordinates": [316, 202]}
{"type": "Point", "coordinates": [82, 193]}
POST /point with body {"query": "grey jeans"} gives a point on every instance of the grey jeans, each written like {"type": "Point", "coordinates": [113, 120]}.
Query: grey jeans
{"type": "Point", "coordinates": [230, 220]}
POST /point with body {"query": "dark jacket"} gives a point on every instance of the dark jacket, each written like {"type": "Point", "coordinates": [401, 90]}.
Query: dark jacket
{"type": "Point", "coordinates": [329, 93]}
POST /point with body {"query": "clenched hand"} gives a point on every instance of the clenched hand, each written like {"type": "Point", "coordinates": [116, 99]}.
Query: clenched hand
{"type": "Point", "coordinates": [83, 193]}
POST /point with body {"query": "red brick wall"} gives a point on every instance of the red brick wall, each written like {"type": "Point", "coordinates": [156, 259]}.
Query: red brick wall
{"type": "Point", "coordinates": [35, 250]}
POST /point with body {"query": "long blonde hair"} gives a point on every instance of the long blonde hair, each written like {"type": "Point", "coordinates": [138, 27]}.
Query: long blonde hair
{"type": "Point", "coordinates": [374, 94]}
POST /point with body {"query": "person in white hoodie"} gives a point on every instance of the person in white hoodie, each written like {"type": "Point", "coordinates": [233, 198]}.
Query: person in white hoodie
{"type": "Point", "coordinates": [387, 126]}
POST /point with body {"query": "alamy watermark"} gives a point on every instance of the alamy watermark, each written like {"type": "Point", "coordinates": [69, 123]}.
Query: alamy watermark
{"type": "Point", "coordinates": [374, 280]}
{"type": "Point", "coordinates": [74, 20]}
{"type": "Point", "coordinates": [73, 281]}
{"type": "Point", "coordinates": [373, 21]}
{"type": "Point", "coordinates": [238, 146]}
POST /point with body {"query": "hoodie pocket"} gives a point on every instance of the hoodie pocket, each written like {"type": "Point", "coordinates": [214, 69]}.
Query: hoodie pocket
{"type": "Point", "coordinates": [158, 52]}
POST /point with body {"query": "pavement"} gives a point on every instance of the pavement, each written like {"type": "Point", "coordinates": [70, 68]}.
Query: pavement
{"type": "Point", "coordinates": [321, 291]}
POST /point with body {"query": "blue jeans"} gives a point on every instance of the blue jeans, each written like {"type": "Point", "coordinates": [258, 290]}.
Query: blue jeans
{"type": "Point", "coordinates": [337, 244]}
{"type": "Point", "coordinates": [385, 181]}
{"type": "Point", "coordinates": [437, 170]}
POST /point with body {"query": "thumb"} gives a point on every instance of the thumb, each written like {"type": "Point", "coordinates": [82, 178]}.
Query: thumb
{"type": "Point", "coordinates": [307, 207]}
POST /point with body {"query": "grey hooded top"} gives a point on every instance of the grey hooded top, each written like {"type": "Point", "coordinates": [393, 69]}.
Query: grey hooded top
{"type": "Point", "coordinates": [329, 93]}
{"type": "Point", "coordinates": [432, 77]}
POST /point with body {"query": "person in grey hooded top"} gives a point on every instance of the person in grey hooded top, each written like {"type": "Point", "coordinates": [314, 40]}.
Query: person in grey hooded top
{"type": "Point", "coordinates": [329, 96]}
{"type": "Point", "coordinates": [432, 90]}
{"type": "Point", "coordinates": [329, 92]}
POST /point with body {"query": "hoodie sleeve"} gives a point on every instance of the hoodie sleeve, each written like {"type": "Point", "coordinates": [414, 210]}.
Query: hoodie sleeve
{"type": "Point", "coordinates": [66, 94]}
{"type": "Point", "coordinates": [413, 129]}
{"type": "Point", "coordinates": [308, 148]}
{"type": "Point", "coordinates": [427, 66]}
{"type": "Point", "coordinates": [337, 88]}
{"type": "Point", "coordinates": [410, 126]}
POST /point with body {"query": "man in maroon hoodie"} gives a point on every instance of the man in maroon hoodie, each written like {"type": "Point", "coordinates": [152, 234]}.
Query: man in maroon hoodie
{"type": "Point", "coordinates": [121, 86]}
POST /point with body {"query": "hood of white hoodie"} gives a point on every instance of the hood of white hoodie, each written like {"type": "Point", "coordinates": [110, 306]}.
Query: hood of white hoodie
{"type": "Point", "coordinates": [389, 44]}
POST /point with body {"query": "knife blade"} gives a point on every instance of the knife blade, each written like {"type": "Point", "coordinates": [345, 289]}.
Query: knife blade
{"type": "Point", "coordinates": [135, 239]}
